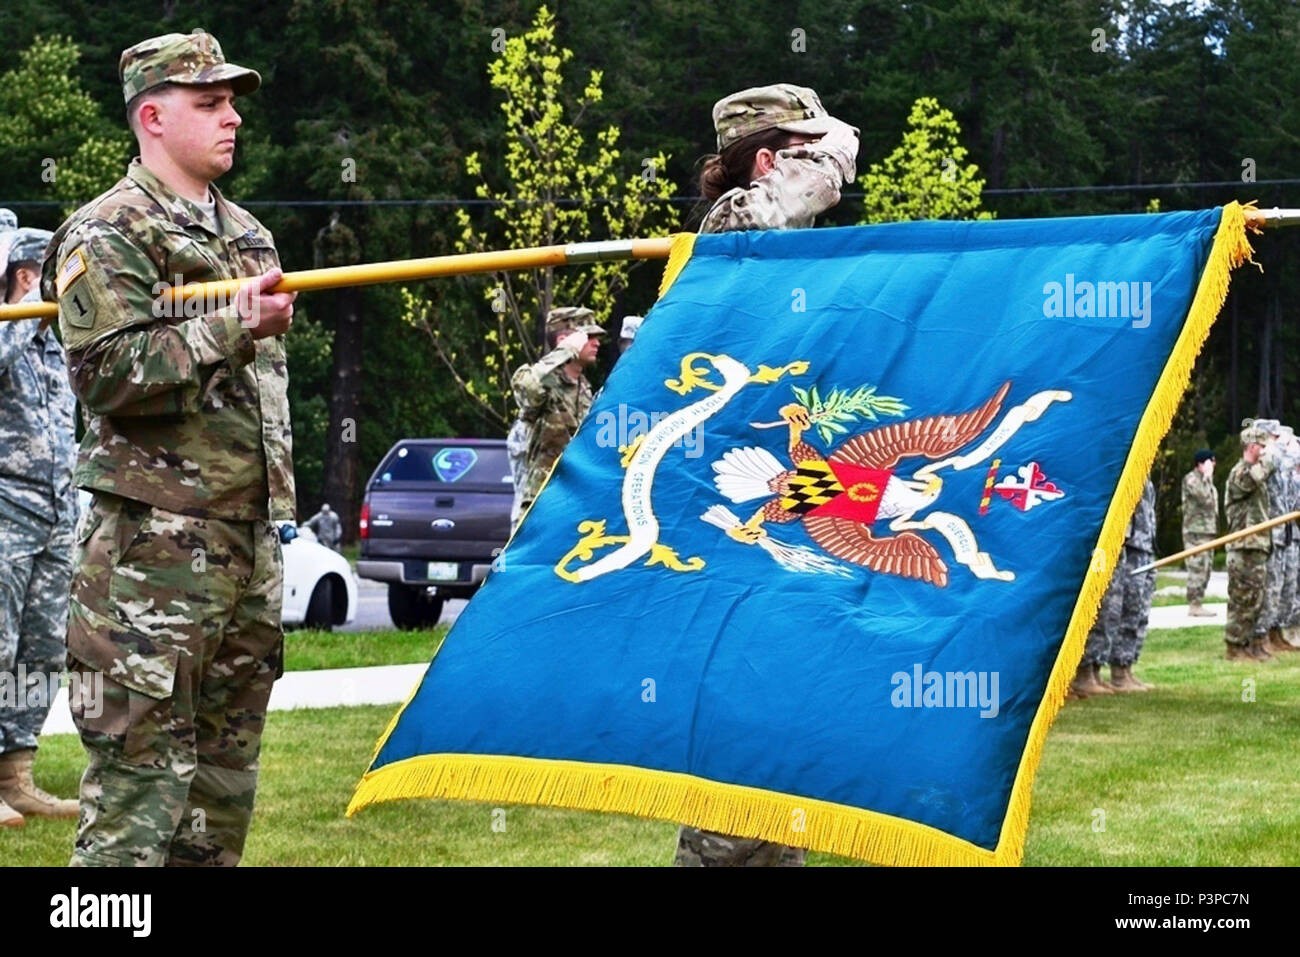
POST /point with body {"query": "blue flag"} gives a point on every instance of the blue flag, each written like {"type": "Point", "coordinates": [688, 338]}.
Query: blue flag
{"type": "Point", "coordinates": [821, 561]}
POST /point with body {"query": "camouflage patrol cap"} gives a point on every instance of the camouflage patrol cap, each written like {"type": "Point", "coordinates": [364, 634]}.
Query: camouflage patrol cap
{"type": "Point", "coordinates": [8, 220]}
{"type": "Point", "coordinates": [782, 106]}
{"type": "Point", "coordinates": [29, 246]}
{"type": "Point", "coordinates": [1251, 431]}
{"type": "Point", "coordinates": [185, 58]}
{"type": "Point", "coordinates": [572, 318]}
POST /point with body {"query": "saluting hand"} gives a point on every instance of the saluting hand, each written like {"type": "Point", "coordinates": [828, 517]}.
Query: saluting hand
{"type": "Point", "coordinates": [265, 314]}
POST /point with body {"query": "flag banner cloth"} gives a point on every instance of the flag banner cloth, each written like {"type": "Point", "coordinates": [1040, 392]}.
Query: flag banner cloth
{"type": "Point", "coordinates": [821, 561]}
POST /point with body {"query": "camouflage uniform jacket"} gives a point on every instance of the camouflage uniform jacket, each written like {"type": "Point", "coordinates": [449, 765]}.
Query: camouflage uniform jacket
{"type": "Point", "coordinates": [37, 433]}
{"type": "Point", "coordinates": [1141, 533]}
{"type": "Point", "coordinates": [186, 410]}
{"type": "Point", "coordinates": [1200, 505]}
{"type": "Point", "coordinates": [1245, 502]}
{"type": "Point", "coordinates": [805, 182]}
{"type": "Point", "coordinates": [1279, 501]}
{"type": "Point", "coordinates": [554, 406]}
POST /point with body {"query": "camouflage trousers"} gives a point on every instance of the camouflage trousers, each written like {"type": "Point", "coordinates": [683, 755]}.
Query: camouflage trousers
{"type": "Point", "coordinates": [1291, 589]}
{"type": "Point", "coordinates": [181, 616]}
{"type": "Point", "coordinates": [1271, 614]}
{"type": "Point", "coordinates": [1247, 582]}
{"type": "Point", "coordinates": [1198, 567]}
{"type": "Point", "coordinates": [35, 568]}
{"type": "Point", "coordinates": [1117, 636]}
{"type": "Point", "coordinates": [698, 848]}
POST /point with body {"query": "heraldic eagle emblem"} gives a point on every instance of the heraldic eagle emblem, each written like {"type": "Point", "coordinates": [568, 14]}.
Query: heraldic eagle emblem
{"type": "Point", "coordinates": [857, 503]}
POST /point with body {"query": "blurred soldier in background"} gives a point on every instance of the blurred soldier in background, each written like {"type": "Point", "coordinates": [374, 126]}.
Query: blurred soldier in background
{"type": "Point", "coordinates": [1200, 525]}
{"type": "Point", "coordinates": [628, 332]}
{"type": "Point", "coordinates": [326, 526]}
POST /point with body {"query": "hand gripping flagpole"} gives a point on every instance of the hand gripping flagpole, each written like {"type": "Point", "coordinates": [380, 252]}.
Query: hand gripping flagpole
{"type": "Point", "coordinates": [402, 270]}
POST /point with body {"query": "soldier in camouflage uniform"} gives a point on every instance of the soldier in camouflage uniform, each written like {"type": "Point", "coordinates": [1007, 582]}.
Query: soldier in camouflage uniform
{"type": "Point", "coordinates": [1200, 525]}
{"type": "Point", "coordinates": [1245, 503]}
{"type": "Point", "coordinates": [326, 526]}
{"type": "Point", "coordinates": [782, 161]}
{"type": "Point", "coordinates": [1135, 612]}
{"type": "Point", "coordinates": [554, 396]}
{"type": "Point", "coordinates": [1117, 635]}
{"type": "Point", "coordinates": [1291, 591]}
{"type": "Point", "coordinates": [177, 582]}
{"type": "Point", "coordinates": [1281, 560]}
{"type": "Point", "coordinates": [38, 511]}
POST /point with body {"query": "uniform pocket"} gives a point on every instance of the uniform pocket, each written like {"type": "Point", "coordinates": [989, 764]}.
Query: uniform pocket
{"type": "Point", "coordinates": [125, 683]}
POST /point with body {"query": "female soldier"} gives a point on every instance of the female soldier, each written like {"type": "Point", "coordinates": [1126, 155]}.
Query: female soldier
{"type": "Point", "coordinates": [781, 161]}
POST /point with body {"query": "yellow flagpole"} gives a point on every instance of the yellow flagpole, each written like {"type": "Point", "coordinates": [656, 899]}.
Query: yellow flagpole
{"type": "Point", "coordinates": [402, 270]}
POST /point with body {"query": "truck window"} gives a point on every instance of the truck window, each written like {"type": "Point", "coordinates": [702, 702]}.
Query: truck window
{"type": "Point", "coordinates": [447, 463]}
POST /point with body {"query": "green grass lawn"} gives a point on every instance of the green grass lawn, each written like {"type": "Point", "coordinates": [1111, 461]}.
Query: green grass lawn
{"type": "Point", "coordinates": [314, 650]}
{"type": "Point", "coordinates": [1186, 774]}
{"type": "Point", "coordinates": [1161, 601]}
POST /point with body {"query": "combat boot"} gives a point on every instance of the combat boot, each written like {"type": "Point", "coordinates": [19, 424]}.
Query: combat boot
{"type": "Point", "coordinates": [19, 791]}
{"type": "Point", "coordinates": [1276, 642]}
{"type": "Point", "coordinates": [9, 817]}
{"type": "Point", "coordinates": [1291, 635]}
{"type": "Point", "coordinates": [1196, 610]}
{"type": "Point", "coordinates": [1238, 652]}
{"type": "Point", "coordinates": [1258, 651]}
{"type": "Point", "coordinates": [1122, 680]}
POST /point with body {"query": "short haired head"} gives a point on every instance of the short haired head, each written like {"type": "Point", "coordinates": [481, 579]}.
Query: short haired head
{"type": "Point", "coordinates": [178, 59]}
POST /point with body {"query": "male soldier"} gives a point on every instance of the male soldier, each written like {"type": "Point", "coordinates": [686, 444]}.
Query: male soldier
{"type": "Point", "coordinates": [628, 332]}
{"type": "Point", "coordinates": [1118, 633]}
{"type": "Point", "coordinates": [1277, 599]}
{"type": "Point", "coordinates": [1291, 592]}
{"type": "Point", "coordinates": [327, 527]}
{"type": "Point", "coordinates": [1245, 503]}
{"type": "Point", "coordinates": [1135, 611]}
{"type": "Point", "coordinates": [38, 510]}
{"type": "Point", "coordinates": [178, 575]}
{"type": "Point", "coordinates": [553, 395]}
{"type": "Point", "coordinates": [1200, 525]}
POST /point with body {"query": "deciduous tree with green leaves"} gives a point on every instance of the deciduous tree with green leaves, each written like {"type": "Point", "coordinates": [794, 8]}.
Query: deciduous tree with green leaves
{"type": "Point", "coordinates": [561, 186]}
{"type": "Point", "coordinates": [926, 176]}
{"type": "Point", "coordinates": [56, 143]}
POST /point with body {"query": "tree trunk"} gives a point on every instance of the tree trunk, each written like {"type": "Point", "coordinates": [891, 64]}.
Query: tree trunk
{"type": "Point", "coordinates": [342, 448]}
{"type": "Point", "coordinates": [1233, 403]}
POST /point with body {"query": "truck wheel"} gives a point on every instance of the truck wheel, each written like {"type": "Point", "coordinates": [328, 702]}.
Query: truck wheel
{"type": "Point", "coordinates": [320, 610]}
{"type": "Point", "coordinates": [412, 608]}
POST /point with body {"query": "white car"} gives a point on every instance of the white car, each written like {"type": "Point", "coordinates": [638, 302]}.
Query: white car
{"type": "Point", "coordinates": [319, 589]}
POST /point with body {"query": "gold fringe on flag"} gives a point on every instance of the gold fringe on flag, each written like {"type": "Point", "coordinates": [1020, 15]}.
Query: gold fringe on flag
{"type": "Point", "coordinates": [805, 822]}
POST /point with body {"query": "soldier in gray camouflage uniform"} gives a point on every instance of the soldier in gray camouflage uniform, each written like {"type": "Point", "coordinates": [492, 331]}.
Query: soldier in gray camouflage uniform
{"type": "Point", "coordinates": [1200, 525]}
{"type": "Point", "coordinates": [38, 510]}
{"type": "Point", "coordinates": [326, 526]}
{"type": "Point", "coordinates": [1245, 503]}
{"type": "Point", "coordinates": [782, 160]}
{"type": "Point", "coordinates": [1120, 629]}
{"type": "Point", "coordinates": [1282, 559]}
{"type": "Point", "coordinates": [1291, 592]}
{"type": "Point", "coordinates": [553, 396]}
{"type": "Point", "coordinates": [177, 579]}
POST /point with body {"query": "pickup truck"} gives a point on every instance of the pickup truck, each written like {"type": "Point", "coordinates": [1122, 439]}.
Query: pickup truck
{"type": "Point", "coordinates": [435, 515]}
